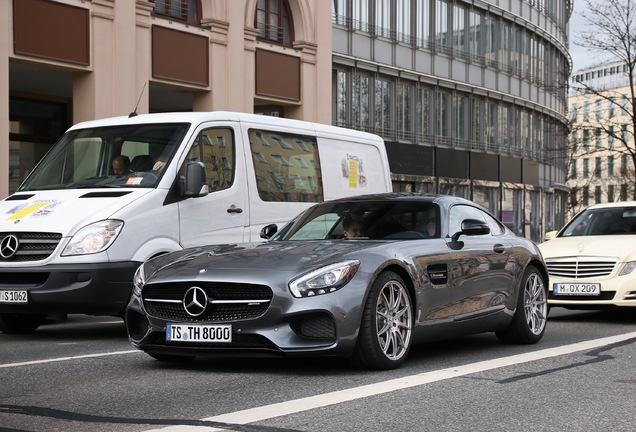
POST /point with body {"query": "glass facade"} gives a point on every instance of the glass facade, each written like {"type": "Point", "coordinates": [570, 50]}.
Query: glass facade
{"type": "Point", "coordinates": [453, 75]}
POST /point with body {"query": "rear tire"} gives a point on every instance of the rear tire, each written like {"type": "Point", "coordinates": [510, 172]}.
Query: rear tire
{"type": "Point", "coordinates": [386, 329]}
{"type": "Point", "coordinates": [14, 323]}
{"type": "Point", "coordinates": [529, 321]}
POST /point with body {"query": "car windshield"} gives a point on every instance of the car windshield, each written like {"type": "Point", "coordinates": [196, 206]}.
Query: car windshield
{"type": "Point", "coordinates": [366, 220]}
{"type": "Point", "coordinates": [603, 221]}
{"type": "Point", "coordinates": [104, 157]}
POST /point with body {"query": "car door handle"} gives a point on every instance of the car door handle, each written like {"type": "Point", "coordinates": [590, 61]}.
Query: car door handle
{"type": "Point", "coordinates": [499, 248]}
{"type": "Point", "coordinates": [234, 209]}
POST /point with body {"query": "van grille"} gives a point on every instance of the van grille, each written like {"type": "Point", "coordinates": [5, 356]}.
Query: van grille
{"type": "Point", "coordinates": [30, 246]}
{"type": "Point", "coordinates": [226, 301]}
{"type": "Point", "coordinates": [581, 267]}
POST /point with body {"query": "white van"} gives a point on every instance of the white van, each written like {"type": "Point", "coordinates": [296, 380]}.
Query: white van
{"type": "Point", "coordinates": [73, 234]}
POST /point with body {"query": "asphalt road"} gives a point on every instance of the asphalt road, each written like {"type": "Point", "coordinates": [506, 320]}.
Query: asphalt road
{"type": "Point", "coordinates": [82, 374]}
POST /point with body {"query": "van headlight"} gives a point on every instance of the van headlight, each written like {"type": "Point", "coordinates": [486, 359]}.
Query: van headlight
{"type": "Point", "coordinates": [629, 267]}
{"type": "Point", "coordinates": [94, 238]}
{"type": "Point", "coordinates": [324, 280]}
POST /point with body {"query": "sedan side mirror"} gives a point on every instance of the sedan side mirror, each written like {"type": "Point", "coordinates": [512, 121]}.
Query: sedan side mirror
{"type": "Point", "coordinates": [472, 227]}
{"type": "Point", "coordinates": [268, 231]}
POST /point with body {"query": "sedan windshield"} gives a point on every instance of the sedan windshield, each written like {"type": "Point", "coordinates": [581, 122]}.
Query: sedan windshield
{"type": "Point", "coordinates": [604, 221]}
{"type": "Point", "coordinates": [367, 220]}
{"type": "Point", "coordinates": [113, 156]}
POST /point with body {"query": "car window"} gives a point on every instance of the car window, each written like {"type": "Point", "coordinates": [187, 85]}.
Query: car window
{"type": "Point", "coordinates": [460, 213]}
{"type": "Point", "coordinates": [604, 221]}
{"type": "Point", "coordinates": [368, 220]}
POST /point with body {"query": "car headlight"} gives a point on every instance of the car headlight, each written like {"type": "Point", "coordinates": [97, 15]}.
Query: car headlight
{"type": "Point", "coordinates": [93, 238]}
{"type": "Point", "coordinates": [324, 280]}
{"type": "Point", "coordinates": [629, 267]}
{"type": "Point", "coordinates": [139, 280]}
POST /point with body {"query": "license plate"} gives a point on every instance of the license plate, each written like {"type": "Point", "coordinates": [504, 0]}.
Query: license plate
{"type": "Point", "coordinates": [14, 297]}
{"type": "Point", "coordinates": [198, 333]}
{"type": "Point", "coordinates": [590, 289]}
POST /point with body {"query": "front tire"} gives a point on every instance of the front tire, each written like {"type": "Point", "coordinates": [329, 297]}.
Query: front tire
{"type": "Point", "coordinates": [386, 329]}
{"type": "Point", "coordinates": [529, 321]}
{"type": "Point", "coordinates": [15, 323]}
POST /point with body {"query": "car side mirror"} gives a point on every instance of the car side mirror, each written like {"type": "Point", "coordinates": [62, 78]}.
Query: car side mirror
{"type": "Point", "coordinates": [550, 235]}
{"type": "Point", "coordinates": [268, 231]}
{"type": "Point", "coordinates": [472, 227]}
{"type": "Point", "coordinates": [195, 182]}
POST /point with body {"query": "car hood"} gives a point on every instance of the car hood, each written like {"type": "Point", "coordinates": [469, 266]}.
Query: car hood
{"type": "Point", "coordinates": [275, 256]}
{"type": "Point", "coordinates": [619, 246]}
{"type": "Point", "coordinates": [63, 211]}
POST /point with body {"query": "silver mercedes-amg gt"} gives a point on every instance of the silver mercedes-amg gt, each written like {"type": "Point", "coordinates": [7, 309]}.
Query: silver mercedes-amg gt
{"type": "Point", "coordinates": [363, 278]}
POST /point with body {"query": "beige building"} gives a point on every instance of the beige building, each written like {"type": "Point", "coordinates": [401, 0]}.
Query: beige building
{"type": "Point", "coordinates": [66, 61]}
{"type": "Point", "coordinates": [469, 97]}
{"type": "Point", "coordinates": [602, 141]}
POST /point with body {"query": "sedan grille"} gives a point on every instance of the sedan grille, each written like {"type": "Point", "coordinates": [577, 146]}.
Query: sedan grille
{"type": "Point", "coordinates": [581, 267]}
{"type": "Point", "coordinates": [30, 246]}
{"type": "Point", "coordinates": [226, 301]}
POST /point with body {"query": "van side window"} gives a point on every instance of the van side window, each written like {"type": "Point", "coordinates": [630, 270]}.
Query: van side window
{"type": "Point", "coordinates": [215, 148]}
{"type": "Point", "coordinates": [286, 166]}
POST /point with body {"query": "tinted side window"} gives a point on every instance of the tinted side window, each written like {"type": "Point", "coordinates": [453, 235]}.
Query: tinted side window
{"type": "Point", "coordinates": [215, 148]}
{"type": "Point", "coordinates": [287, 166]}
{"type": "Point", "coordinates": [460, 213]}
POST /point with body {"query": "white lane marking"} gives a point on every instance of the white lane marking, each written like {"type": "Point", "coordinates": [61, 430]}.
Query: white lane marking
{"type": "Point", "coordinates": [266, 412]}
{"type": "Point", "coordinates": [60, 359]}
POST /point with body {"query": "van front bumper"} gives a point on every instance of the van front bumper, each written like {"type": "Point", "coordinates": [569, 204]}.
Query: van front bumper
{"type": "Point", "coordinates": [91, 289]}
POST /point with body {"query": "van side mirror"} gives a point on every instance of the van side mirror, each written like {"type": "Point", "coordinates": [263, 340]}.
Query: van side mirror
{"type": "Point", "coordinates": [472, 227]}
{"type": "Point", "coordinates": [268, 231]}
{"type": "Point", "coordinates": [195, 182]}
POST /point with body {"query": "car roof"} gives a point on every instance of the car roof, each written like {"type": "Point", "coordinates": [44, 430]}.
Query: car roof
{"type": "Point", "coordinates": [408, 196]}
{"type": "Point", "coordinates": [613, 205]}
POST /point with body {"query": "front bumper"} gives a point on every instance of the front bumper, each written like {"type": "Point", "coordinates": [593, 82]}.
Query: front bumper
{"type": "Point", "coordinates": [615, 291]}
{"type": "Point", "coordinates": [324, 325]}
{"type": "Point", "coordinates": [91, 289]}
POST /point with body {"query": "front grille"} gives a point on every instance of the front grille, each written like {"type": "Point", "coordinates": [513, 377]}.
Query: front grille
{"type": "Point", "coordinates": [581, 267]}
{"type": "Point", "coordinates": [31, 246]}
{"type": "Point", "coordinates": [226, 301]}
{"type": "Point", "coordinates": [605, 295]}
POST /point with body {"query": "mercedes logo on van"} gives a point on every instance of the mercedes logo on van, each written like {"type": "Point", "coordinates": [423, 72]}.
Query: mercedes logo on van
{"type": "Point", "coordinates": [195, 301]}
{"type": "Point", "coordinates": [9, 246]}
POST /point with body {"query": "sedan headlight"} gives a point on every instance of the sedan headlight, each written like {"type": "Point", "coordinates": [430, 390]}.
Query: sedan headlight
{"type": "Point", "coordinates": [324, 280]}
{"type": "Point", "coordinates": [94, 238]}
{"type": "Point", "coordinates": [629, 267]}
{"type": "Point", "coordinates": [139, 280]}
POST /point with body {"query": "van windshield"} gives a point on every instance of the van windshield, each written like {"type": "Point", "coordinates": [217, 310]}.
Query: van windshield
{"type": "Point", "coordinates": [114, 156]}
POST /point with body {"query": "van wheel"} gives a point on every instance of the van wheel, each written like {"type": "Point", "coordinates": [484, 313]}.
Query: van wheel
{"type": "Point", "coordinates": [20, 323]}
{"type": "Point", "coordinates": [385, 333]}
{"type": "Point", "coordinates": [529, 320]}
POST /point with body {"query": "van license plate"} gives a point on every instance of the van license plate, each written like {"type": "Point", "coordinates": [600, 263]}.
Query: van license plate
{"type": "Point", "coordinates": [591, 289]}
{"type": "Point", "coordinates": [198, 333]}
{"type": "Point", "coordinates": [14, 297]}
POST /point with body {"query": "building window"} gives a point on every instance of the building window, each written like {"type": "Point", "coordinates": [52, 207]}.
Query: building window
{"type": "Point", "coordinates": [599, 137]}
{"type": "Point", "coordinates": [610, 193]}
{"type": "Point", "coordinates": [181, 10]}
{"type": "Point", "coordinates": [573, 172]}
{"type": "Point", "coordinates": [610, 166]}
{"type": "Point", "coordinates": [586, 111]}
{"type": "Point", "coordinates": [624, 165]}
{"type": "Point", "coordinates": [598, 109]}
{"type": "Point", "coordinates": [586, 168]}
{"type": "Point", "coordinates": [610, 137]}
{"type": "Point", "coordinates": [597, 167]}
{"type": "Point", "coordinates": [597, 195]}
{"type": "Point", "coordinates": [274, 22]}
{"type": "Point", "coordinates": [623, 192]}
{"type": "Point", "coordinates": [586, 196]}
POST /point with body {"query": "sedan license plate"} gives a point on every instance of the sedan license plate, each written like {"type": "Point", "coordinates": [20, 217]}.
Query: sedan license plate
{"type": "Point", "coordinates": [590, 289]}
{"type": "Point", "coordinates": [14, 296]}
{"type": "Point", "coordinates": [198, 333]}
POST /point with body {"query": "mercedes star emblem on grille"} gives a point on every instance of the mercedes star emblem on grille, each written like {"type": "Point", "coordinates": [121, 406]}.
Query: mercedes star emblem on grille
{"type": "Point", "coordinates": [9, 246]}
{"type": "Point", "coordinates": [195, 301]}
